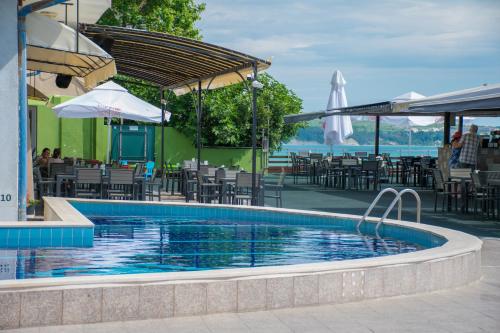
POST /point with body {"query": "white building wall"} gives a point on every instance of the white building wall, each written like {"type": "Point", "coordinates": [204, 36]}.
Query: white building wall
{"type": "Point", "coordinates": [9, 83]}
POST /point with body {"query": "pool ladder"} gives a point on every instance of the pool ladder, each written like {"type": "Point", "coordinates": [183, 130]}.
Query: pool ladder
{"type": "Point", "coordinates": [397, 199]}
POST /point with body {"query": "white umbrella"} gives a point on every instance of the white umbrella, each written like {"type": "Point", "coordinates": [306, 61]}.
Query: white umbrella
{"type": "Point", "coordinates": [337, 128]}
{"type": "Point", "coordinates": [107, 101]}
{"type": "Point", "coordinates": [402, 102]}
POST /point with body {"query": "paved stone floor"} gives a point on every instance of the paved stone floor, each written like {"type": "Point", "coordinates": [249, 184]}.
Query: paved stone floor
{"type": "Point", "coordinates": [472, 308]}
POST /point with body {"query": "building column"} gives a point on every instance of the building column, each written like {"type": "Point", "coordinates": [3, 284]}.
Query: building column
{"type": "Point", "coordinates": [9, 115]}
{"type": "Point", "coordinates": [447, 126]}
{"type": "Point", "coordinates": [377, 135]}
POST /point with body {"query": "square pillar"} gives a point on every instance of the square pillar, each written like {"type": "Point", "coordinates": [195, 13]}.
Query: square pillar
{"type": "Point", "coordinates": [9, 118]}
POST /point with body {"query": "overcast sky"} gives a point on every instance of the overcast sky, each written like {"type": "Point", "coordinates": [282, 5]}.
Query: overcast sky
{"type": "Point", "coordinates": [384, 48]}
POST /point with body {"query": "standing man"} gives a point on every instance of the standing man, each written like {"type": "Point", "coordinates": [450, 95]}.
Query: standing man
{"type": "Point", "coordinates": [469, 144]}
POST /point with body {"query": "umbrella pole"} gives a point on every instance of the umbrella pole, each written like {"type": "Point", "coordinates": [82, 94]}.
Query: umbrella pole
{"type": "Point", "coordinates": [108, 150]}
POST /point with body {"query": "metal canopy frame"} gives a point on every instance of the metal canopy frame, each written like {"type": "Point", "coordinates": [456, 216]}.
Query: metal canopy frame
{"type": "Point", "coordinates": [481, 101]}
{"type": "Point", "coordinates": [172, 62]}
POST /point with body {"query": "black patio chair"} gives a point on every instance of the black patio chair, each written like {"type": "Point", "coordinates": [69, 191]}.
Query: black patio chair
{"type": "Point", "coordinates": [121, 184]}
{"type": "Point", "coordinates": [274, 191]}
{"type": "Point", "coordinates": [88, 183]}
{"type": "Point", "coordinates": [446, 189]}
{"type": "Point", "coordinates": [243, 188]}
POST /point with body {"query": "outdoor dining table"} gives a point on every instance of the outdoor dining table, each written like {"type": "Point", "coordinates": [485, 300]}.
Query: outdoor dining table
{"type": "Point", "coordinates": [60, 178]}
{"type": "Point", "coordinates": [464, 181]}
{"type": "Point", "coordinates": [140, 181]}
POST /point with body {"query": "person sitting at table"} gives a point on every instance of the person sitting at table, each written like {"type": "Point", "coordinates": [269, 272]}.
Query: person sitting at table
{"type": "Point", "coordinates": [43, 159]}
{"type": "Point", "coordinates": [56, 156]}
{"type": "Point", "coordinates": [455, 150]}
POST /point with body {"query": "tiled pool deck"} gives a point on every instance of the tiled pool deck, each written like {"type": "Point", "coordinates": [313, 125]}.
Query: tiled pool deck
{"type": "Point", "coordinates": [474, 308]}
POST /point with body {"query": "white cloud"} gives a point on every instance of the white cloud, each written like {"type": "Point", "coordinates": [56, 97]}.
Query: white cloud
{"type": "Point", "coordinates": [428, 46]}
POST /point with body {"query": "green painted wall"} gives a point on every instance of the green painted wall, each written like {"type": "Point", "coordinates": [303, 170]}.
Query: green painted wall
{"type": "Point", "coordinates": [88, 138]}
{"type": "Point", "coordinates": [179, 148]}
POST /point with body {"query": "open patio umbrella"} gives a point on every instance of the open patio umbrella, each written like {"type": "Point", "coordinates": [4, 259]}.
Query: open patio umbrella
{"type": "Point", "coordinates": [110, 100]}
{"type": "Point", "coordinates": [337, 128]}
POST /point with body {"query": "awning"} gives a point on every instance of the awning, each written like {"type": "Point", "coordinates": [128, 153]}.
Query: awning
{"type": "Point", "coordinates": [43, 86]}
{"type": "Point", "coordinates": [173, 62]}
{"type": "Point", "coordinates": [52, 48]}
{"type": "Point", "coordinates": [382, 108]}
{"type": "Point", "coordinates": [89, 11]}
{"type": "Point", "coordinates": [481, 101]}
{"type": "Point", "coordinates": [478, 101]}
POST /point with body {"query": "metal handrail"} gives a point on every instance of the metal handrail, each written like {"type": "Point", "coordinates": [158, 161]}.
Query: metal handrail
{"type": "Point", "coordinates": [374, 202]}
{"type": "Point", "coordinates": [398, 199]}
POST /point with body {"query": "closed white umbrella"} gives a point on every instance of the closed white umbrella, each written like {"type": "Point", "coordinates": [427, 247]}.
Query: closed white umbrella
{"type": "Point", "coordinates": [110, 100]}
{"type": "Point", "coordinates": [337, 128]}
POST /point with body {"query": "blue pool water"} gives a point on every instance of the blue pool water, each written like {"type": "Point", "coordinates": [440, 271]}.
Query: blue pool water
{"type": "Point", "coordinates": [147, 244]}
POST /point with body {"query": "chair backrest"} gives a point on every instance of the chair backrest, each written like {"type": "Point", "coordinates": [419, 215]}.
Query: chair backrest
{"type": "Point", "coordinates": [493, 167]}
{"type": "Point", "coordinates": [149, 169]}
{"type": "Point", "coordinates": [361, 154]}
{"type": "Point", "coordinates": [281, 179]}
{"type": "Point", "coordinates": [460, 173]}
{"type": "Point", "coordinates": [370, 165]}
{"type": "Point", "coordinates": [204, 169]}
{"type": "Point", "coordinates": [121, 177]}
{"type": "Point", "coordinates": [303, 153]}
{"type": "Point", "coordinates": [37, 175]}
{"type": "Point", "coordinates": [316, 156]}
{"type": "Point", "coordinates": [88, 176]}
{"type": "Point", "coordinates": [69, 169]}
{"type": "Point", "coordinates": [69, 161]}
{"type": "Point", "coordinates": [372, 157]}
{"type": "Point", "coordinates": [244, 179]}
{"type": "Point", "coordinates": [349, 161]}
{"type": "Point", "coordinates": [476, 181]}
{"type": "Point", "coordinates": [139, 170]}
{"type": "Point", "coordinates": [56, 168]}
{"type": "Point", "coordinates": [219, 174]}
{"type": "Point", "coordinates": [438, 178]}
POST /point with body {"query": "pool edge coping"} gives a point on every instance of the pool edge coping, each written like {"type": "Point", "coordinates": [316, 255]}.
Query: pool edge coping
{"type": "Point", "coordinates": [458, 243]}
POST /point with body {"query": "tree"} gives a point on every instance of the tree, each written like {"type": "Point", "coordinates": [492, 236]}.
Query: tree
{"type": "Point", "coordinates": [227, 116]}
{"type": "Point", "coordinates": [175, 17]}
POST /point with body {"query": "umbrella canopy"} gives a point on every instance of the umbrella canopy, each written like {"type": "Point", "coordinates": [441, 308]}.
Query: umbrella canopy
{"type": "Point", "coordinates": [337, 128]}
{"type": "Point", "coordinates": [110, 100]}
{"type": "Point", "coordinates": [52, 48]}
{"type": "Point", "coordinates": [403, 102]}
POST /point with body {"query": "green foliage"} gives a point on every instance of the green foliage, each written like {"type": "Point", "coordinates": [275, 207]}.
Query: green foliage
{"type": "Point", "coordinates": [227, 116]}
{"type": "Point", "coordinates": [176, 17]}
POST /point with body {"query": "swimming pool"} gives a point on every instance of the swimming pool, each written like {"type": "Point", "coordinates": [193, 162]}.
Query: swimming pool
{"type": "Point", "coordinates": [152, 244]}
{"type": "Point", "coordinates": [260, 271]}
